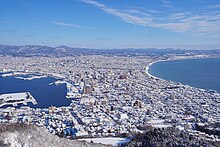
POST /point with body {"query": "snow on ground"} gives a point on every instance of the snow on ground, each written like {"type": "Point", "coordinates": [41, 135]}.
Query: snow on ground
{"type": "Point", "coordinates": [11, 139]}
{"type": "Point", "coordinates": [161, 125]}
{"type": "Point", "coordinates": [158, 123]}
{"type": "Point", "coordinates": [114, 141]}
{"type": "Point", "coordinates": [14, 96]}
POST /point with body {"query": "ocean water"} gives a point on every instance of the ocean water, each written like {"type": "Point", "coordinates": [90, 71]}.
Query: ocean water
{"type": "Point", "coordinates": [46, 95]}
{"type": "Point", "coordinates": [201, 73]}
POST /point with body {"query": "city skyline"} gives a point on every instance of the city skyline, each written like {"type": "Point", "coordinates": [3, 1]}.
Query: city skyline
{"type": "Point", "coordinates": [111, 24]}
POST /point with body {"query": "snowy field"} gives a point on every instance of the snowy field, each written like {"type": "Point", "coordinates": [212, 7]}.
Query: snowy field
{"type": "Point", "coordinates": [114, 141]}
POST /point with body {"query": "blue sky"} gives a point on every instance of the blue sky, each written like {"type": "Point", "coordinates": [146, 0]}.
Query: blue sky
{"type": "Point", "coordinates": [190, 24]}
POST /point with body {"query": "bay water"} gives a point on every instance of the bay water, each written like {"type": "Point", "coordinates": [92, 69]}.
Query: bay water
{"type": "Point", "coordinates": [45, 94]}
{"type": "Point", "coordinates": [201, 73]}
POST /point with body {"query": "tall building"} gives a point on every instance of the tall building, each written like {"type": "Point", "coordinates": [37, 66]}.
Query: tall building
{"type": "Point", "coordinates": [87, 89]}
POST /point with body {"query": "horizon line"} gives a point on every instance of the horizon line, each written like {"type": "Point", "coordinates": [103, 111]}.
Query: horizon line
{"type": "Point", "coordinates": [81, 47]}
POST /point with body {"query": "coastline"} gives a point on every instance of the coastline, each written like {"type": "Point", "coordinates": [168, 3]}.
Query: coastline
{"type": "Point", "coordinates": [69, 86]}
{"type": "Point", "coordinates": [175, 59]}
{"type": "Point", "coordinates": [60, 79]}
{"type": "Point", "coordinates": [148, 67]}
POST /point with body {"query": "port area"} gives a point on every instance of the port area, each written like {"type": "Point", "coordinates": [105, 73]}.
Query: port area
{"type": "Point", "coordinates": [73, 90]}
{"type": "Point", "coordinates": [23, 75]}
{"type": "Point", "coordinates": [16, 98]}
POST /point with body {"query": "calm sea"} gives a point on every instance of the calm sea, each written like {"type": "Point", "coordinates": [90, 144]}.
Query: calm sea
{"type": "Point", "coordinates": [45, 94]}
{"type": "Point", "coordinates": [200, 73]}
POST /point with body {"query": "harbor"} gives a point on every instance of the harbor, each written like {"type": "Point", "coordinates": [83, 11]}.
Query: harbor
{"type": "Point", "coordinates": [46, 95]}
{"type": "Point", "coordinates": [13, 99]}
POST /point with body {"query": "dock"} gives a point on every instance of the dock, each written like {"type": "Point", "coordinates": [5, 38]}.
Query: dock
{"type": "Point", "coordinates": [16, 98]}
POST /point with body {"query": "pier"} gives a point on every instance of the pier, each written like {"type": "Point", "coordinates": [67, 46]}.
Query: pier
{"type": "Point", "coordinates": [16, 98]}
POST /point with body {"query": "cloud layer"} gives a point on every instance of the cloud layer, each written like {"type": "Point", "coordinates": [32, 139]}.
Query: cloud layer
{"type": "Point", "coordinates": [67, 24]}
{"type": "Point", "coordinates": [179, 21]}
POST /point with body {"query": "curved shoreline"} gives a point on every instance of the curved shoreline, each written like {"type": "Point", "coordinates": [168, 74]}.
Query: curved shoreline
{"type": "Point", "coordinates": [70, 87]}
{"type": "Point", "coordinates": [175, 59]}
{"type": "Point", "coordinates": [39, 76]}
{"type": "Point", "coordinates": [148, 67]}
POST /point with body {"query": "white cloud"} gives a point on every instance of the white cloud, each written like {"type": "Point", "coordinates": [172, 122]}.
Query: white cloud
{"type": "Point", "coordinates": [177, 22]}
{"type": "Point", "coordinates": [153, 11]}
{"type": "Point", "coordinates": [215, 6]}
{"type": "Point", "coordinates": [123, 15]}
{"type": "Point", "coordinates": [67, 24]}
{"type": "Point", "coordinates": [166, 3]}
{"type": "Point", "coordinates": [179, 16]}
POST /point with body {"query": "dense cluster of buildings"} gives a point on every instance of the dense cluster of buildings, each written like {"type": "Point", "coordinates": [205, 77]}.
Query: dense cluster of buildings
{"type": "Point", "coordinates": [113, 96]}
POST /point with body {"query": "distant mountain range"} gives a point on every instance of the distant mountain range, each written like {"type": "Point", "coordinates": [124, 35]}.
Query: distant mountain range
{"type": "Point", "coordinates": [61, 51]}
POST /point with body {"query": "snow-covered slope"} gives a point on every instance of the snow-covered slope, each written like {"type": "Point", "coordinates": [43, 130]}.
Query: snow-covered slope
{"type": "Point", "coordinates": [20, 135]}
